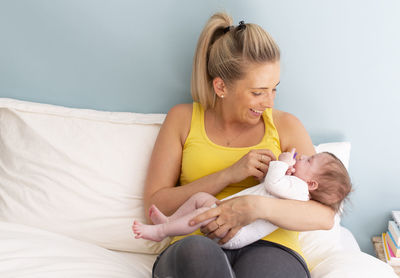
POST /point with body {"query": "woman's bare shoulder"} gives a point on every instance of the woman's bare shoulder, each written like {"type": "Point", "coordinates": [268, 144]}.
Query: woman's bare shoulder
{"type": "Point", "coordinates": [284, 119]}
{"type": "Point", "coordinates": [179, 118]}
{"type": "Point", "coordinates": [292, 133]}
{"type": "Point", "coordinates": [181, 109]}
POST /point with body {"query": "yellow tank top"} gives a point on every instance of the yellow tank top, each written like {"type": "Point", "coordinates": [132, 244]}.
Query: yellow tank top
{"type": "Point", "coordinates": [202, 157]}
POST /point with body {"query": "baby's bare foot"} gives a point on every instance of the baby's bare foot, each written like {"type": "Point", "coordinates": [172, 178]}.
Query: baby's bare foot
{"type": "Point", "coordinates": [156, 216]}
{"type": "Point", "coordinates": [150, 232]}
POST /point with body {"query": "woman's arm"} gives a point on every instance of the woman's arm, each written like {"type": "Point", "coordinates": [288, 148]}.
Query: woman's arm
{"type": "Point", "coordinates": [165, 165]}
{"type": "Point", "coordinates": [296, 215]}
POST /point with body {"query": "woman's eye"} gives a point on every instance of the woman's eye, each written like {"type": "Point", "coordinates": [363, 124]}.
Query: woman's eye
{"type": "Point", "coordinates": [257, 93]}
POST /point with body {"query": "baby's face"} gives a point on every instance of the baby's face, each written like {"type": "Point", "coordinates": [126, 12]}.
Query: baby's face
{"type": "Point", "coordinates": [307, 166]}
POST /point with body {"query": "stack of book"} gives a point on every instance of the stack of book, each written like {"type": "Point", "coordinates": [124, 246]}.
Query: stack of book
{"type": "Point", "coordinates": [391, 240]}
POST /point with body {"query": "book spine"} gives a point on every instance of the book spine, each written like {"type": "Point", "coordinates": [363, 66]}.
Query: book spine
{"type": "Point", "coordinates": [392, 245]}
{"type": "Point", "coordinates": [395, 232]}
{"type": "Point", "coordinates": [389, 256]}
{"type": "Point", "coordinates": [385, 248]}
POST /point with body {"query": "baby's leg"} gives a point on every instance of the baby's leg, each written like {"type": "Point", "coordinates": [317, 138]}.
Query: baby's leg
{"type": "Point", "coordinates": [156, 216]}
{"type": "Point", "coordinates": [198, 200]}
{"type": "Point", "coordinates": [177, 227]}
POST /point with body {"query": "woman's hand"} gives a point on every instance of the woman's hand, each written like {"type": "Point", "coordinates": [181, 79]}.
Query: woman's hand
{"type": "Point", "coordinates": [231, 215]}
{"type": "Point", "coordinates": [255, 163]}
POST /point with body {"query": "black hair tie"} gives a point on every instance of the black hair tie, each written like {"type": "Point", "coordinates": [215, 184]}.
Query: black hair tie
{"type": "Point", "coordinates": [242, 25]}
{"type": "Point", "coordinates": [227, 29]}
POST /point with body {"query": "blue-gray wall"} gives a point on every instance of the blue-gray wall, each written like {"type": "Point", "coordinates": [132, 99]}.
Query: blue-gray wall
{"type": "Point", "coordinates": [340, 71]}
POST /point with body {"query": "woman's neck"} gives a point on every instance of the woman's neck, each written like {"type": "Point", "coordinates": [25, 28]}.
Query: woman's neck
{"type": "Point", "coordinates": [226, 129]}
{"type": "Point", "coordinates": [224, 119]}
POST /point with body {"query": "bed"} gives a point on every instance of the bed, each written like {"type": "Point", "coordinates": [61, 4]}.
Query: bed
{"type": "Point", "coordinates": [71, 183]}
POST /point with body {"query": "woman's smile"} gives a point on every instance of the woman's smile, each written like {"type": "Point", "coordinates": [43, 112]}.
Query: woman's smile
{"type": "Point", "coordinates": [256, 113]}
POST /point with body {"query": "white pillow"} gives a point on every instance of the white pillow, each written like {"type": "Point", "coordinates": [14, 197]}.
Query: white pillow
{"type": "Point", "coordinates": [76, 172]}
{"type": "Point", "coordinates": [318, 245]}
{"type": "Point", "coordinates": [340, 149]}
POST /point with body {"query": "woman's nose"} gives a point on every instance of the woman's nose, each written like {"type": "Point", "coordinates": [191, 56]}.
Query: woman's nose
{"type": "Point", "coordinates": [268, 101]}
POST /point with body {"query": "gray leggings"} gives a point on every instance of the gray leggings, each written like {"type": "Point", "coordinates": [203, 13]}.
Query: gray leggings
{"type": "Point", "coordinates": [198, 256]}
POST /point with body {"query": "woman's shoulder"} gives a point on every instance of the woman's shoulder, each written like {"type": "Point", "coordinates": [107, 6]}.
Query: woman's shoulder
{"type": "Point", "coordinates": [180, 113]}
{"type": "Point", "coordinates": [179, 118]}
{"type": "Point", "coordinates": [292, 133]}
{"type": "Point", "coordinates": [179, 110]}
{"type": "Point", "coordinates": [284, 119]}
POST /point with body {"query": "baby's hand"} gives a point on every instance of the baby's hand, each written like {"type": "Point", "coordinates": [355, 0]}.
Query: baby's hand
{"type": "Point", "coordinates": [290, 171]}
{"type": "Point", "coordinates": [288, 157]}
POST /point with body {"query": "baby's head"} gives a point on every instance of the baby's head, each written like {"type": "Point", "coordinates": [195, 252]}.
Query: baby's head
{"type": "Point", "coordinates": [327, 178]}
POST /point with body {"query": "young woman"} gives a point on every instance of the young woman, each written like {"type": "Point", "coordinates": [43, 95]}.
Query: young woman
{"type": "Point", "coordinates": [222, 144]}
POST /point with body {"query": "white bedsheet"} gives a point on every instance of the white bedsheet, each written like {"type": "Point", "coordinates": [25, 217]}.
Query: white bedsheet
{"type": "Point", "coordinates": [31, 252]}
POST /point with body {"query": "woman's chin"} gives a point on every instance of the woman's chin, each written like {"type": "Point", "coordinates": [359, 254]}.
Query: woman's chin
{"type": "Point", "coordinates": [253, 119]}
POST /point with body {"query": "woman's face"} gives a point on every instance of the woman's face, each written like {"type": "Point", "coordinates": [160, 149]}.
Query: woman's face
{"type": "Point", "coordinates": [249, 97]}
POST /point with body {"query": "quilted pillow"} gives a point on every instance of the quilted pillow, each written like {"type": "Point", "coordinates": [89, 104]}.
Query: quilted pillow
{"type": "Point", "coordinates": [76, 172]}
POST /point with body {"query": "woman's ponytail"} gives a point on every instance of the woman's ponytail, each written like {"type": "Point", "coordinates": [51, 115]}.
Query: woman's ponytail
{"type": "Point", "coordinates": [201, 83]}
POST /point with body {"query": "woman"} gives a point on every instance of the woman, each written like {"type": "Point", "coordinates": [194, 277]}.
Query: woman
{"type": "Point", "coordinates": [223, 143]}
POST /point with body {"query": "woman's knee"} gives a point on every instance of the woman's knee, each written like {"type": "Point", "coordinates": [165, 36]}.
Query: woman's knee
{"type": "Point", "coordinates": [269, 260]}
{"type": "Point", "coordinates": [196, 246]}
{"type": "Point", "coordinates": [193, 256]}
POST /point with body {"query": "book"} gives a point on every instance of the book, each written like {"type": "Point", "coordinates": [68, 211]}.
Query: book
{"type": "Point", "coordinates": [396, 216]}
{"type": "Point", "coordinates": [394, 231]}
{"type": "Point", "coordinates": [392, 245]}
{"type": "Point", "coordinates": [389, 256]}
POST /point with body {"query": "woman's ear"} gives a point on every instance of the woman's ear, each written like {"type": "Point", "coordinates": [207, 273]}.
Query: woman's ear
{"type": "Point", "coordinates": [219, 87]}
{"type": "Point", "coordinates": [312, 185]}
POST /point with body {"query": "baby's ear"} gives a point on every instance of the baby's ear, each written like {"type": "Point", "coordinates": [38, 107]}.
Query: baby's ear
{"type": "Point", "coordinates": [312, 185]}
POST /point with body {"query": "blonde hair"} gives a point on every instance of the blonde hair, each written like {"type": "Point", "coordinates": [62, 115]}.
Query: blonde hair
{"type": "Point", "coordinates": [334, 184]}
{"type": "Point", "coordinates": [224, 51]}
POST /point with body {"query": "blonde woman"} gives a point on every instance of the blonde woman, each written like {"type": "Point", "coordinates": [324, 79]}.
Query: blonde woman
{"type": "Point", "coordinates": [222, 144]}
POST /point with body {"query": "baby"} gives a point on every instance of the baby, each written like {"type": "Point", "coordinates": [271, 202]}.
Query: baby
{"type": "Point", "coordinates": [321, 177]}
